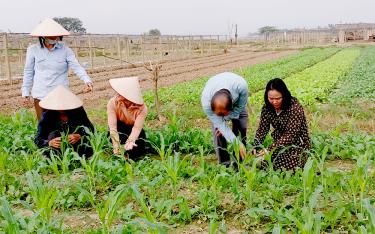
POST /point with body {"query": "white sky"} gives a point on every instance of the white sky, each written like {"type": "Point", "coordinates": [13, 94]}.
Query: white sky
{"type": "Point", "coordinates": [185, 17]}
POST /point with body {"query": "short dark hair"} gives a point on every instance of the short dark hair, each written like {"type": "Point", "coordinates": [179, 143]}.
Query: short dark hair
{"type": "Point", "coordinates": [227, 95]}
{"type": "Point", "coordinates": [278, 85]}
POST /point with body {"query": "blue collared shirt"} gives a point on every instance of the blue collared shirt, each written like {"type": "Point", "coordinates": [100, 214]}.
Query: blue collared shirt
{"type": "Point", "coordinates": [237, 87]}
{"type": "Point", "coordinates": [44, 69]}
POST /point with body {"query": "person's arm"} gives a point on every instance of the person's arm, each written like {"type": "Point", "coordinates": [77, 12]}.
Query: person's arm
{"type": "Point", "coordinates": [76, 67]}
{"type": "Point", "coordinates": [243, 94]}
{"type": "Point", "coordinates": [219, 123]}
{"type": "Point", "coordinates": [41, 136]}
{"type": "Point", "coordinates": [85, 122]}
{"type": "Point", "coordinates": [112, 124]}
{"type": "Point", "coordinates": [293, 127]}
{"type": "Point", "coordinates": [263, 128]}
{"type": "Point", "coordinates": [28, 73]}
{"type": "Point", "coordinates": [138, 125]}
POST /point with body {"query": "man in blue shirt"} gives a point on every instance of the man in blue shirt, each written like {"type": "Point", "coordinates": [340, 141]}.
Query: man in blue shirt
{"type": "Point", "coordinates": [224, 98]}
{"type": "Point", "coordinates": [47, 64]}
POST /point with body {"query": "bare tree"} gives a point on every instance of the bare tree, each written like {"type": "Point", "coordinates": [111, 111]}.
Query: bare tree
{"type": "Point", "coordinates": [155, 68]}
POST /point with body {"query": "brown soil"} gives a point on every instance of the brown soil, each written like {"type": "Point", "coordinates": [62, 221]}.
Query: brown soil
{"type": "Point", "coordinates": [172, 72]}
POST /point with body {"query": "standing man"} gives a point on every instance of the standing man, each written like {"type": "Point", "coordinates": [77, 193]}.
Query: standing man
{"type": "Point", "coordinates": [47, 64]}
{"type": "Point", "coordinates": [224, 98]}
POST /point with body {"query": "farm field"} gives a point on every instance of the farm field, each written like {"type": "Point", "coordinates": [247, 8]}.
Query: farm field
{"type": "Point", "coordinates": [172, 72]}
{"type": "Point", "coordinates": [179, 187]}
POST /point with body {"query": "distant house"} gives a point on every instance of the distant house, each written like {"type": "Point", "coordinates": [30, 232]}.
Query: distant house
{"type": "Point", "coordinates": [355, 32]}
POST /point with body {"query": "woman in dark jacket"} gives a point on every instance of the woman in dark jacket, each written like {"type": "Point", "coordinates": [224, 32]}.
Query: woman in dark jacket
{"type": "Point", "coordinates": [64, 117]}
{"type": "Point", "coordinates": [290, 136]}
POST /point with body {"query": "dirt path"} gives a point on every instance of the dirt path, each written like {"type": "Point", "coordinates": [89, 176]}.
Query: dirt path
{"type": "Point", "coordinates": [173, 72]}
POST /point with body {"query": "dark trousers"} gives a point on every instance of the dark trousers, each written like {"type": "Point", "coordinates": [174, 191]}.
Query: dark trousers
{"type": "Point", "coordinates": [82, 147]}
{"type": "Point", "coordinates": [124, 131]}
{"type": "Point", "coordinates": [38, 110]}
{"type": "Point", "coordinates": [239, 127]}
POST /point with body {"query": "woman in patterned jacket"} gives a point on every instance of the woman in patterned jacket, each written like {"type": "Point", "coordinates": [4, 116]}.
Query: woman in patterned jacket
{"type": "Point", "coordinates": [290, 135]}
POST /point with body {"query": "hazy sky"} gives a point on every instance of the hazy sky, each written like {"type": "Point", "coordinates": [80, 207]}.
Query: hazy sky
{"type": "Point", "coordinates": [185, 17]}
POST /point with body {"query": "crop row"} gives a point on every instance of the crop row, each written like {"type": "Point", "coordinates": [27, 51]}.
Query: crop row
{"type": "Point", "coordinates": [315, 83]}
{"type": "Point", "coordinates": [360, 82]}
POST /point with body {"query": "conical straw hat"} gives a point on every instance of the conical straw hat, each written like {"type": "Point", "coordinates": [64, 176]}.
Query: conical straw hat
{"type": "Point", "coordinates": [49, 28]}
{"type": "Point", "coordinates": [129, 88]}
{"type": "Point", "coordinates": [60, 98]}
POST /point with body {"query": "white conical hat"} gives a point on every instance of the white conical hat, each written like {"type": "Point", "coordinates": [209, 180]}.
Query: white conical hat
{"type": "Point", "coordinates": [49, 28]}
{"type": "Point", "coordinates": [129, 88]}
{"type": "Point", "coordinates": [60, 98]}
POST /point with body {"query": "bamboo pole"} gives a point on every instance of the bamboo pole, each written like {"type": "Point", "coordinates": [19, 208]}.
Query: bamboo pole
{"type": "Point", "coordinates": [7, 62]}
{"type": "Point", "coordinates": [75, 47]}
{"type": "Point", "coordinates": [21, 52]}
{"type": "Point", "coordinates": [210, 45]}
{"type": "Point", "coordinates": [202, 44]}
{"type": "Point", "coordinates": [160, 49]}
{"type": "Point", "coordinates": [90, 53]}
{"type": "Point", "coordinates": [105, 60]}
{"type": "Point", "coordinates": [142, 50]}
{"type": "Point", "coordinates": [189, 46]}
{"type": "Point", "coordinates": [127, 53]}
{"type": "Point", "coordinates": [119, 54]}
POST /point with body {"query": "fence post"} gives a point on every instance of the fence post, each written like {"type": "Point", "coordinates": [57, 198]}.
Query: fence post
{"type": "Point", "coordinates": [75, 47]}
{"type": "Point", "coordinates": [218, 42]}
{"type": "Point", "coordinates": [7, 63]}
{"type": "Point", "coordinates": [160, 48]}
{"type": "Point", "coordinates": [90, 52]}
{"type": "Point", "coordinates": [127, 52]}
{"type": "Point", "coordinates": [142, 50]}
{"type": "Point", "coordinates": [21, 52]}
{"type": "Point", "coordinates": [105, 59]}
{"type": "Point", "coordinates": [202, 44]}
{"type": "Point", "coordinates": [210, 45]}
{"type": "Point", "coordinates": [119, 54]}
{"type": "Point", "coordinates": [189, 46]}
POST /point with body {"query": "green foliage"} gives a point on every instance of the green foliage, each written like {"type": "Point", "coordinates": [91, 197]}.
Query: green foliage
{"type": "Point", "coordinates": [183, 184]}
{"type": "Point", "coordinates": [360, 82]}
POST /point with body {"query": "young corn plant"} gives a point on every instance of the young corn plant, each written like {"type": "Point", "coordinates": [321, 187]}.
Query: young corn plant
{"type": "Point", "coordinates": [308, 221]}
{"type": "Point", "coordinates": [250, 175]}
{"type": "Point", "coordinates": [172, 166]}
{"type": "Point", "coordinates": [162, 150]}
{"type": "Point", "coordinates": [44, 195]}
{"type": "Point", "coordinates": [9, 224]}
{"type": "Point", "coordinates": [359, 179]}
{"type": "Point", "coordinates": [308, 179]}
{"type": "Point", "coordinates": [371, 214]}
{"type": "Point", "coordinates": [108, 209]}
{"type": "Point", "coordinates": [149, 218]}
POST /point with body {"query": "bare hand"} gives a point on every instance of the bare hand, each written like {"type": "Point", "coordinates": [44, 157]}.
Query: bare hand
{"type": "Point", "coordinates": [55, 143]}
{"type": "Point", "coordinates": [26, 101]}
{"type": "Point", "coordinates": [243, 151]}
{"type": "Point", "coordinates": [218, 133]}
{"type": "Point", "coordinates": [116, 151]}
{"type": "Point", "coordinates": [73, 138]}
{"type": "Point", "coordinates": [130, 145]}
{"type": "Point", "coordinates": [88, 87]}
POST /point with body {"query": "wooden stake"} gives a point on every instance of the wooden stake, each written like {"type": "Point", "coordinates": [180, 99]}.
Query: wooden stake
{"type": "Point", "coordinates": [142, 50]}
{"type": "Point", "coordinates": [160, 49]}
{"type": "Point", "coordinates": [119, 55]}
{"type": "Point", "coordinates": [202, 44]}
{"type": "Point", "coordinates": [75, 47]}
{"type": "Point", "coordinates": [90, 53]}
{"type": "Point", "coordinates": [7, 63]}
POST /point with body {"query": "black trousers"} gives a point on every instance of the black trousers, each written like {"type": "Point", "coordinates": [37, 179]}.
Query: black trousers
{"type": "Point", "coordinates": [124, 131]}
{"type": "Point", "coordinates": [82, 147]}
{"type": "Point", "coordinates": [239, 127]}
